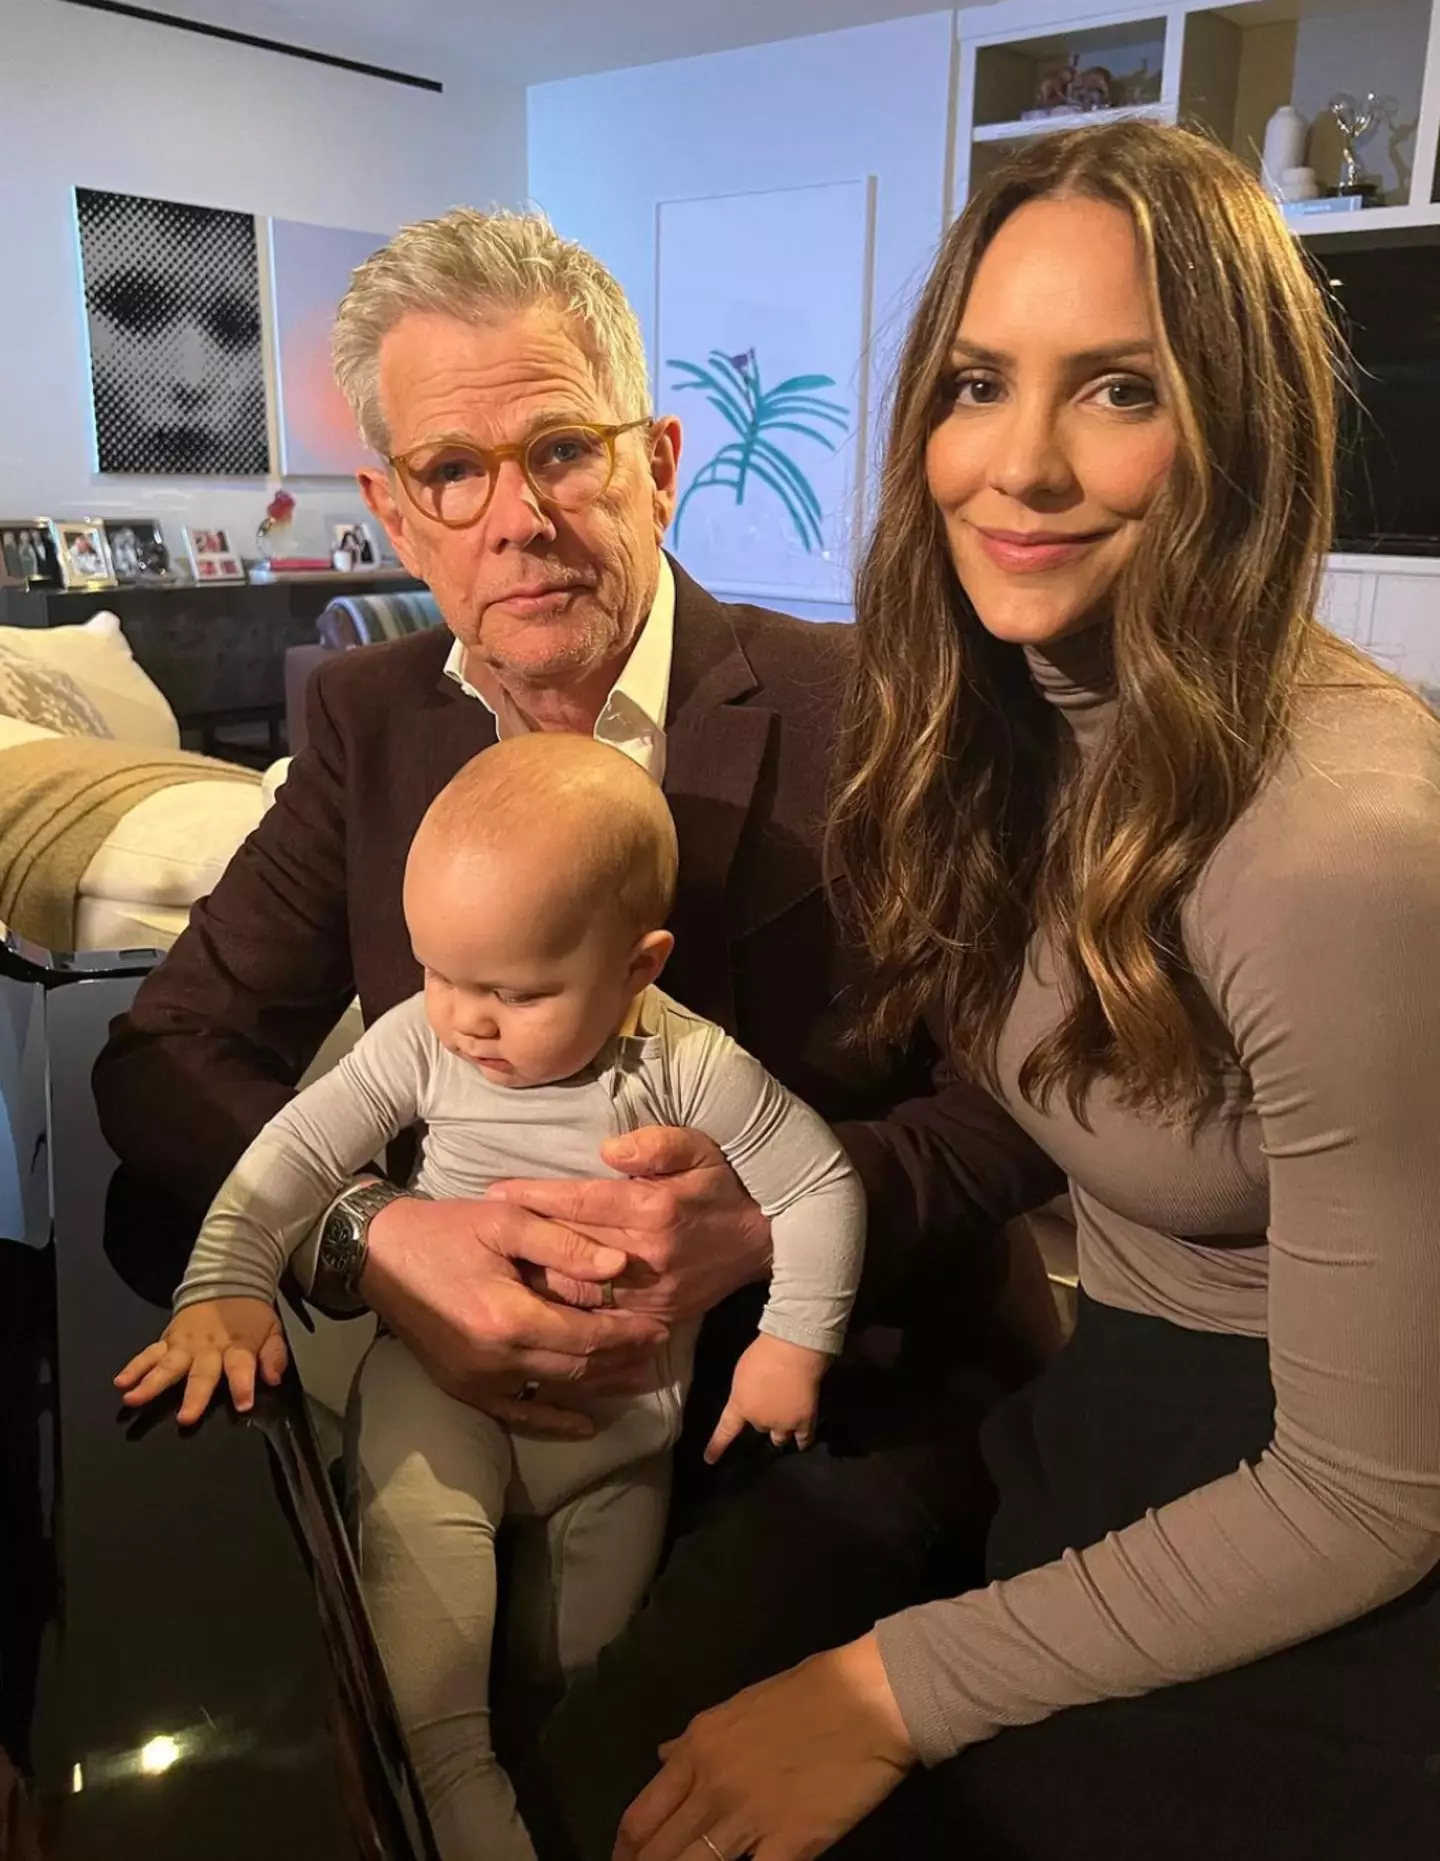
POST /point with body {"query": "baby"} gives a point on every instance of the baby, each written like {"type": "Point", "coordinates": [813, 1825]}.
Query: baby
{"type": "Point", "coordinates": [535, 893]}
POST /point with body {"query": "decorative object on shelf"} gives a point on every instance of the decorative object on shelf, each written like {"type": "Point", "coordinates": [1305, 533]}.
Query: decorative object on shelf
{"type": "Point", "coordinates": [137, 549]}
{"type": "Point", "coordinates": [310, 271]}
{"type": "Point", "coordinates": [1284, 147]}
{"type": "Point", "coordinates": [1136, 88]}
{"type": "Point", "coordinates": [28, 552]}
{"type": "Point", "coordinates": [289, 565]}
{"type": "Point", "coordinates": [213, 557]}
{"type": "Point", "coordinates": [763, 313]}
{"type": "Point", "coordinates": [1091, 89]}
{"type": "Point", "coordinates": [1297, 184]}
{"type": "Point", "coordinates": [1063, 93]}
{"type": "Point", "coordinates": [355, 541]}
{"type": "Point", "coordinates": [82, 552]}
{"type": "Point", "coordinates": [172, 296]}
{"type": "Point", "coordinates": [274, 535]}
{"type": "Point", "coordinates": [1053, 95]}
{"type": "Point", "coordinates": [1355, 120]}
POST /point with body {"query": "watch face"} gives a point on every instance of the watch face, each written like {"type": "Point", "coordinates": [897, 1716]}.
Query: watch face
{"type": "Point", "coordinates": [339, 1243]}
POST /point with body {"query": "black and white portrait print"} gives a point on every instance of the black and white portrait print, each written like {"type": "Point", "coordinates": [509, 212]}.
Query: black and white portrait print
{"type": "Point", "coordinates": [172, 295]}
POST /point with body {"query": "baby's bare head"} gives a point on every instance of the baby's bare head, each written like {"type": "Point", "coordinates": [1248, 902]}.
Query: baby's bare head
{"type": "Point", "coordinates": [535, 893]}
{"type": "Point", "coordinates": [564, 823]}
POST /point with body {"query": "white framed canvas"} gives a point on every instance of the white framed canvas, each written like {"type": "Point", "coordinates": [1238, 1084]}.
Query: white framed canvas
{"type": "Point", "coordinates": [761, 332]}
{"type": "Point", "coordinates": [310, 270]}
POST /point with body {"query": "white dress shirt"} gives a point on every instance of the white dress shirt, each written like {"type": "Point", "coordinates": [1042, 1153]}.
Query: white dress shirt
{"type": "Point", "coordinates": [632, 718]}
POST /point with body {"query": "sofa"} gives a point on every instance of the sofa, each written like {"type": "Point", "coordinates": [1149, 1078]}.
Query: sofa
{"type": "Point", "coordinates": [169, 849]}
{"type": "Point", "coordinates": [350, 621]}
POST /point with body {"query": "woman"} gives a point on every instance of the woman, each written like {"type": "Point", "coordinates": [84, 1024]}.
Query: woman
{"type": "Point", "coordinates": [1163, 858]}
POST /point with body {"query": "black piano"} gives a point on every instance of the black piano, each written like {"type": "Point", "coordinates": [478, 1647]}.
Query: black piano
{"type": "Point", "coordinates": [186, 1673]}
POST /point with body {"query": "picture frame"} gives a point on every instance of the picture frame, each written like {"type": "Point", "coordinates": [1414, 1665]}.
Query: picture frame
{"type": "Point", "coordinates": [137, 550]}
{"type": "Point", "coordinates": [358, 540]}
{"type": "Point", "coordinates": [82, 552]}
{"type": "Point", "coordinates": [27, 552]}
{"type": "Point", "coordinates": [213, 557]}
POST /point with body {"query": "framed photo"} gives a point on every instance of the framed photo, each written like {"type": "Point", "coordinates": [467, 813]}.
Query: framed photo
{"type": "Point", "coordinates": [137, 549]}
{"type": "Point", "coordinates": [27, 550]}
{"type": "Point", "coordinates": [213, 557]}
{"type": "Point", "coordinates": [83, 553]}
{"type": "Point", "coordinates": [358, 542]}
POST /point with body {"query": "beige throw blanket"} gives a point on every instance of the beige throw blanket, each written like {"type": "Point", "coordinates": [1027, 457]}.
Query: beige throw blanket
{"type": "Point", "coordinates": [59, 802]}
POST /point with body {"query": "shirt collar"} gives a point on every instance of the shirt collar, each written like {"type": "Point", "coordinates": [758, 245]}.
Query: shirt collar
{"type": "Point", "coordinates": [642, 689]}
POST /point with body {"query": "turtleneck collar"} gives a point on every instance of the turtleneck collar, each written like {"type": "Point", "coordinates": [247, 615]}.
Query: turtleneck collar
{"type": "Point", "coordinates": [1077, 675]}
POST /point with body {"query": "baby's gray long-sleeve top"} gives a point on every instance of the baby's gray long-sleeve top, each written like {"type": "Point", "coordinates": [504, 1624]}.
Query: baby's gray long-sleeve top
{"type": "Point", "coordinates": [677, 1069]}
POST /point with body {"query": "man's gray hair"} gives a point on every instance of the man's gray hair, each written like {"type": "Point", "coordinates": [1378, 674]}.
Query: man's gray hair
{"type": "Point", "coordinates": [479, 266]}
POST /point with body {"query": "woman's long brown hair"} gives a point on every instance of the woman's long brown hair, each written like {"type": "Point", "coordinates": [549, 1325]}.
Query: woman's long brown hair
{"type": "Point", "coordinates": [963, 824]}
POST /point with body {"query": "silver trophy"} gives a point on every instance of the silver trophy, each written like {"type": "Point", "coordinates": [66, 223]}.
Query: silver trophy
{"type": "Point", "coordinates": [1354, 121]}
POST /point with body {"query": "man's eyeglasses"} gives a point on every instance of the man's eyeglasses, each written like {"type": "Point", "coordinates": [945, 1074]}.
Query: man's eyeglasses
{"type": "Point", "coordinates": [566, 467]}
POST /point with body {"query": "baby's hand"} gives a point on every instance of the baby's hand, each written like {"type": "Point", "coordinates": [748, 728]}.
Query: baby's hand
{"type": "Point", "coordinates": [202, 1343]}
{"type": "Point", "coordinates": [777, 1390]}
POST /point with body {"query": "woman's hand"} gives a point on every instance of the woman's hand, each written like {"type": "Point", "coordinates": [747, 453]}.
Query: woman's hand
{"type": "Point", "coordinates": [779, 1772]}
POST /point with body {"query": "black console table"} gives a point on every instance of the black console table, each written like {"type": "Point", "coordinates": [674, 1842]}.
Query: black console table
{"type": "Point", "coordinates": [216, 651]}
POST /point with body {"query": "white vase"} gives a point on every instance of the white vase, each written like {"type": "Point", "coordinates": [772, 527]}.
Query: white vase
{"type": "Point", "coordinates": [1284, 145]}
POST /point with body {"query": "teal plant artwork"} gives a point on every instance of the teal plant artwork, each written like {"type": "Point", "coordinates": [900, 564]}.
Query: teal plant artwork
{"type": "Point", "coordinates": [732, 385]}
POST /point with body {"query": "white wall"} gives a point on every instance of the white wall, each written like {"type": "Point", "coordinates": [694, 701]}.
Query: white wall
{"type": "Point", "coordinates": [871, 101]}
{"type": "Point", "coordinates": [107, 102]}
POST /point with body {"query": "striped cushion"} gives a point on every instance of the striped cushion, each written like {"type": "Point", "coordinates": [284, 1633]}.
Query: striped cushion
{"type": "Point", "coordinates": [362, 619]}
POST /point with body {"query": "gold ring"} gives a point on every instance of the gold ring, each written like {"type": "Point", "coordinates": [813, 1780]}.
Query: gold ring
{"type": "Point", "coordinates": [607, 1294]}
{"type": "Point", "coordinates": [711, 1846]}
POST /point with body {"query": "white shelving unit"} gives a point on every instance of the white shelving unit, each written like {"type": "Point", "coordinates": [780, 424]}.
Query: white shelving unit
{"type": "Point", "coordinates": [1228, 67]}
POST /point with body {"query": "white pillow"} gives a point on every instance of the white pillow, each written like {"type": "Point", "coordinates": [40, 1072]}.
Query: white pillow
{"type": "Point", "coordinates": [172, 847]}
{"type": "Point", "coordinates": [14, 731]}
{"type": "Point", "coordinates": [97, 656]}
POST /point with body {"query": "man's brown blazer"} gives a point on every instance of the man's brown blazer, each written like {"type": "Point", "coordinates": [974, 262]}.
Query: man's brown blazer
{"type": "Point", "coordinates": [308, 915]}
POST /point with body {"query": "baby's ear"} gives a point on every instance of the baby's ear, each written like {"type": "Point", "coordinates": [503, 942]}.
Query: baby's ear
{"type": "Point", "coordinates": [649, 957]}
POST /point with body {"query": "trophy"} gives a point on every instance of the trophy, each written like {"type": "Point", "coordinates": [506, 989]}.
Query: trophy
{"type": "Point", "coordinates": [1354, 121]}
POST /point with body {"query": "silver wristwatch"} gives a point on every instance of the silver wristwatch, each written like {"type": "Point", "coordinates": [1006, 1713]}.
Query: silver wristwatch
{"type": "Point", "coordinates": [345, 1236]}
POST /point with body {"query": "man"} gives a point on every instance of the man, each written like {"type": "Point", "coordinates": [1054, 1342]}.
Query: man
{"type": "Point", "coordinates": [500, 374]}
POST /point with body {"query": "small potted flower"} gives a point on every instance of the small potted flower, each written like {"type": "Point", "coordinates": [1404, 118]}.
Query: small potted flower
{"type": "Point", "coordinates": [273, 536]}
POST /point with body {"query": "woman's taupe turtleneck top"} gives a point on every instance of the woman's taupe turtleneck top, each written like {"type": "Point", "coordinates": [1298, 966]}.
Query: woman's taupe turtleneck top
{"type": "Point", "coordinates": [1309, 1215]}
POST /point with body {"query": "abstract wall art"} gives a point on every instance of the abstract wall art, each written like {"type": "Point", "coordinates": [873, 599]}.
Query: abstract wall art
{"type": "Point", "coordinates": [310, 271]}
{"type": "Point", "coordinates": [762, 327]}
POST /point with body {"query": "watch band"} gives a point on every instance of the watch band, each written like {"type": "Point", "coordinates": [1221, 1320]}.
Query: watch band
{"type": "Point", "coordinates": [345, 1236]}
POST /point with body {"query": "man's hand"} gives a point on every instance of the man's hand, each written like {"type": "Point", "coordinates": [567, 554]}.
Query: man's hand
{"type": "Point", "coordinates": [446, 1278]}
{"type": "Point", "coordinates": [692, 1234]}
{"type": "Point", "coordinates": [204, 1342]}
